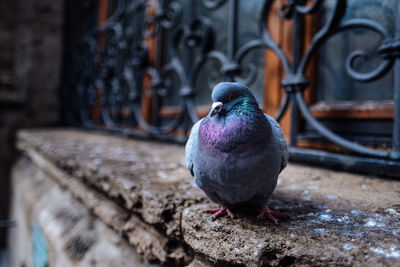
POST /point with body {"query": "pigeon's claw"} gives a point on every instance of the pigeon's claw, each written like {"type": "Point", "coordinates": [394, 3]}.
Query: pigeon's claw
{"type": "Point", "coordinates": [219, 212]}
{"type": "Point", "coordinates": [271, 215]}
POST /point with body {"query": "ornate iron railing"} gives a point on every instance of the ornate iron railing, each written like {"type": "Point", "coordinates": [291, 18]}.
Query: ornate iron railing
{"type": "Point", "coordinates": [107, 84]}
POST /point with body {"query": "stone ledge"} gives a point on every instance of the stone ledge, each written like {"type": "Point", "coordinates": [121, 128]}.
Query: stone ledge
{"type": "Point", "coordinates": [74, 236]}
{"type": "Point", "coordinates": [147, 240]}
{"type": "Point", "coordinates": [335, 217]}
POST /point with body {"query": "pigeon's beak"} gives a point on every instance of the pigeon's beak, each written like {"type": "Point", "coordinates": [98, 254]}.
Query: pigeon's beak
{"type": "Point", "coordinates": [216, 108]}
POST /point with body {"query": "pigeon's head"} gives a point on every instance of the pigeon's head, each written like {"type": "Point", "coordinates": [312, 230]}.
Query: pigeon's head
{"type": "Point", "coordinates": [227, 95]}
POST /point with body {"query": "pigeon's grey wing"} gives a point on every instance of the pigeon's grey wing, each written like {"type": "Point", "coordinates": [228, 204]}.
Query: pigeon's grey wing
{"type": "Point", "coordinates": [191, 146]}
{"type": "Point", "coordinates": [277, 132]}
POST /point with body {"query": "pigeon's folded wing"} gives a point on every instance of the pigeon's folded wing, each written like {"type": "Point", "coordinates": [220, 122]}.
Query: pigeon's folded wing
{"type": "Point", "coordinates": [277, 132]}
{"type": "Point", "coordinates": [191, 146]}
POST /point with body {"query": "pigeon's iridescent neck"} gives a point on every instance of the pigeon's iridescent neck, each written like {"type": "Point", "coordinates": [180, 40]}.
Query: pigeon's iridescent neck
{"type": "Point", "coordinates": [246, 108]}
{"type": "Point", "coordinates": [242, 129]}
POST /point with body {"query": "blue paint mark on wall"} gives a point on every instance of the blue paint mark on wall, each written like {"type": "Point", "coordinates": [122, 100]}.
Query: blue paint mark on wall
{"type": "Point", "coordinates": [40, 247]}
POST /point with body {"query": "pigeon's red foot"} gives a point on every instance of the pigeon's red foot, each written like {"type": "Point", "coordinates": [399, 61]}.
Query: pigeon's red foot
{"type": "Point", "coordinates": [271, 215]}
{"type": "Point", "coordinates": [219, 212]}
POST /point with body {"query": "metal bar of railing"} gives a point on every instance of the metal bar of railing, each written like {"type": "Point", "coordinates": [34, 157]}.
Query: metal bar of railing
{"type": "Point", "coordinates": [298, 34]}
{"type": "Point", "coordinates": [232, 34]}
{"type": "Point", "coordinates": [396, 119]}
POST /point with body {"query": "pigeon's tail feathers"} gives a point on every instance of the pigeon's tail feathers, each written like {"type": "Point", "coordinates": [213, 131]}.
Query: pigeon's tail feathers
{"type": "Point", "coordinates": [191, 146]}
{"type": "Point", "coordinates": [283, 147]}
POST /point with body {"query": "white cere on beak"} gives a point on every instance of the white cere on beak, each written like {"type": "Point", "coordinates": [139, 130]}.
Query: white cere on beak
{"type": "Point", "coordinates": [216, 107]}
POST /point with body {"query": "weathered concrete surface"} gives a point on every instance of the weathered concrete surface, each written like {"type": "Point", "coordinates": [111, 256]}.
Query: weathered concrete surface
{"type": "Point", "coordinates": [74, 237]}
{"type": "Point", "coordinates": [335, 217]}
{"type": "Point", "coordinates": [148, 241]}
{"type": "Point", "coordinates": [147, 178]}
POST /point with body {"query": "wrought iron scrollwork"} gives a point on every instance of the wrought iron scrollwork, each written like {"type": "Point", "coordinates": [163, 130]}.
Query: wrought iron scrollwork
{"type": "Point", "coordinates": [295, 81]}
{"type": "Point", "coordinates": [115, 59]}
{"type": "Point", "coordinates": [113, 62]}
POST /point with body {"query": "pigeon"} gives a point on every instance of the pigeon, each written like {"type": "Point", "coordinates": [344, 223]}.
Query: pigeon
{"type": "Point", "coordinates": [236, 153]}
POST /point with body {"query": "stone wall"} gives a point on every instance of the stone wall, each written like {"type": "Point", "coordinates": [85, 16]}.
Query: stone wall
{"type": "Point", "coordinates": [30, 60]}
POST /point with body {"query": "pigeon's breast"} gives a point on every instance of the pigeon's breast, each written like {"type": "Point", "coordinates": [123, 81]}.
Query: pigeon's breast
{"type": "Point", "coordinates": [235, 160]}
{"type": "Point", "coordinates": [237, 135]}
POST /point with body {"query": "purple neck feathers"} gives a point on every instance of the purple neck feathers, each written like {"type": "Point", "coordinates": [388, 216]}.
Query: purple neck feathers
{"type": "Point", "coordinates": [237, 134]}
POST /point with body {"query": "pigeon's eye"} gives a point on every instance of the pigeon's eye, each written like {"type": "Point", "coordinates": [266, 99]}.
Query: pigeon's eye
{"type": "Point", "coordinates": [232, 97]}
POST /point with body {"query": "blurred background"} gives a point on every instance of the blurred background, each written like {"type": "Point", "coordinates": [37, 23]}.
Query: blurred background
{"type": "Point", "coordinates": [146, 69]}
{"type": "Point", "coordinates": [30, 77]}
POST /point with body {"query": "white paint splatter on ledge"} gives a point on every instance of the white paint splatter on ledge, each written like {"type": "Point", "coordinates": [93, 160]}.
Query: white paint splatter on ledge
{"type": "Point", "coordinates": [313, 186]}
{"type": "Point", "coordinates": [348, 246]}
{"type": "Point", "coordinates": [370, 222]}
{"type": "Point", "coordinates": [393, 212]}
{"type": "Point", "coordinates": [331, 197]}
{"type": "Point", "coordinates": [393, 252]}
{"type": "Point", "coordinates": [357, 212]}
{"type": "Point", "coordinates": [325, 217]}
